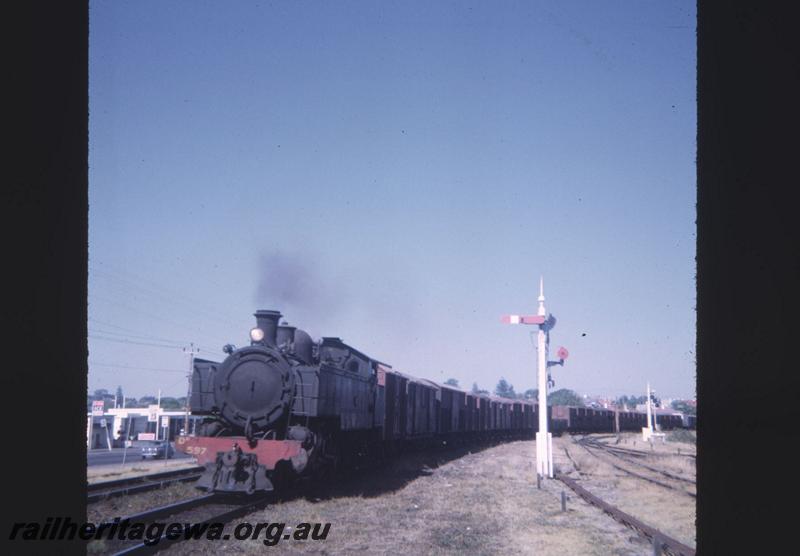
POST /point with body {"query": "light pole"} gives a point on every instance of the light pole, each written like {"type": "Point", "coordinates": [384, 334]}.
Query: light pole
{"type": "Point", "coordinates": [544, 440]}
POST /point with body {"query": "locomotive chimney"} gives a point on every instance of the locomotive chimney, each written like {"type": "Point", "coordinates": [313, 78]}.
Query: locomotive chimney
{"type": "Point", "coordinates": [268, 322]}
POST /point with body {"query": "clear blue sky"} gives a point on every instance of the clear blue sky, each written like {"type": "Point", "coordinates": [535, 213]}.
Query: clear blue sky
{"type": "Point", "coordinates": [398, 175]}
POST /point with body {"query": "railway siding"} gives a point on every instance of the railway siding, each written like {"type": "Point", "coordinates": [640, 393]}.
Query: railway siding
{"type": "Point", "coordinates": [665, 509]}
{"type": "Point", "coordinates": [657, 537]}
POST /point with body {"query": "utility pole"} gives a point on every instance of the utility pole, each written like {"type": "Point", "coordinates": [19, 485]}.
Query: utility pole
{"type": "Point", "coordinates": [126, 441]}
{"type": "Point", "coordinates": [544, 440]}
{"type": "Point", "coordinates": [158, 413]}
{"type": "Point", "coordinates": [191, 351]}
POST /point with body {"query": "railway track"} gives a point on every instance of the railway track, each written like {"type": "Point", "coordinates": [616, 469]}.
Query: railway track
{"type": "Point", "coordinates": [198, 511]}
{"type": "Point", "coordinates": [132, 485]}
{"type": "Point", "coordinates": [663, 543]}
{"type": "Point", "coordinates": [610, 450]}
{"type": "Point", "coordinates": [640, 453]}
{"type": "Point", "coordinates": [586, 446]}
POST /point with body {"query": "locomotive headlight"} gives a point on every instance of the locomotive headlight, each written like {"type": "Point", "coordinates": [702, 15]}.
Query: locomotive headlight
{"type": "Point", "coordinates": [256, 334]}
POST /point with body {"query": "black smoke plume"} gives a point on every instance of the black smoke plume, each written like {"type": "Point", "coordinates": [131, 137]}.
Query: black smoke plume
{"type": "Point", "coordinates": [298, 286]}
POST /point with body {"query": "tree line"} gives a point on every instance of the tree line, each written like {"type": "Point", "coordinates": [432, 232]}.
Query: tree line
{"type": "Point", "coordinates": [504, 389]}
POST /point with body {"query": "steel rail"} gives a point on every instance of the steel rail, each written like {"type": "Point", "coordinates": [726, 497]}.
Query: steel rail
{"type": "Point", "coordinates": [142, 487]}
{"type": "Point", "coordinates": [643, 453]}
{"type": "Point", "coordinates": [158, 512]}
{"type": "Point", "coordinates": [637, 475]}
{"type": "Point", "coordinates": [169, 509]}
{"type": "Point", "coordinates": [219, 517]}
{"type": "Point", "coordinates": [601, 446]}
{"type": "Point", "coordinates": [133, 480]}
{"type": "Point", "coordinates": [671, 545]}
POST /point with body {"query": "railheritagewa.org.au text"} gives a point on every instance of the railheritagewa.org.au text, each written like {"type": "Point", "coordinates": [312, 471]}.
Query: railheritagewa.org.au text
{"type": "Point", "coordinates": [152, 533]}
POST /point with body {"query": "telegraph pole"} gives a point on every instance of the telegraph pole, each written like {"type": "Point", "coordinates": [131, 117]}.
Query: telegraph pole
{"type": "Point", "coordinates": [544, 440]}
{"type": "Point", "coordinates": [191, 351]}
{"type": "Point", "coordinates": [158, 414]}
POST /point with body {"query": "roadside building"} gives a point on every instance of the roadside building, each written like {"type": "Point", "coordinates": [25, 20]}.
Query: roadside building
{"type": "Point", "coordinates": [115, 426]}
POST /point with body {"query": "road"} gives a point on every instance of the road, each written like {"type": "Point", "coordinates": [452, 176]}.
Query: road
{"type": "Point", "coordinates": [105, 457]}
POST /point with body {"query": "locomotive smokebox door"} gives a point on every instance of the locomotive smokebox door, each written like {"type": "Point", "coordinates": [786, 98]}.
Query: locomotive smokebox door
{"type": "Point", "coordinates": [254, 388]}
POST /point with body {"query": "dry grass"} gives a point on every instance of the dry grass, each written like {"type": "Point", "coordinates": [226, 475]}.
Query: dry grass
{"type": "Point", "coordinates": [682, 435]}
{"type": "Point", "coordinates": [482, 503]}
{"type": "Point", "coordinates": [670, 456]}
{"type": "Point", "coordinates": [120, 506]}
{"type": "Point", "coordinates": [134, 467]}
{"type": "Point", "coordinates": [666, 510]}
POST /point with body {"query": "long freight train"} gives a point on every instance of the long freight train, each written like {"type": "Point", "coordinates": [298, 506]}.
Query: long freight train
{"type": "Point", "coordinates": [287, 406]}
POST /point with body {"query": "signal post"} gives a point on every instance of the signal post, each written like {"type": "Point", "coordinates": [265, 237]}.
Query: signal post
{"type": "Point", "coordinates": [544, 439]}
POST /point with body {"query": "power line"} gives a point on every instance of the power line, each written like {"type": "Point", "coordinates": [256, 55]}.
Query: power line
{"type": "Point", "coordinates": [179, 343]}
{"type": "Point", "coordinates": [125, 341]}
{"type": "Point", "coordinates": [137, 368]}
{"type": "Point", "coordinates": [171, 297]}
{"type": "Point", "coordinates": [149, 315]}
{"type": "Point", "coordinates": [113, 325]}
{"type": "Point", "coordinates": [125, 334]}
{"type": "Point", "coordinates": [111, 270]}
{"type": "Point", "coordinates": [135, 309]}
{"type": "Point", "coordinates": [150, 344]}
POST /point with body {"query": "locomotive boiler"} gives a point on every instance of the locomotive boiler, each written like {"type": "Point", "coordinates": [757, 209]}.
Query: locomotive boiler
{"type": "Point", "coordinates": [284, 405]}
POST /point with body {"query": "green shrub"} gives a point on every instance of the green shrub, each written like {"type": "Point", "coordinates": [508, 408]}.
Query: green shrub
{"type": "Point", "coordinates": [682, 435]}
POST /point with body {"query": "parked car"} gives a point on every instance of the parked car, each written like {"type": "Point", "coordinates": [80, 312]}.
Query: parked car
{"type": "Point", "coordinates": [156, 450]}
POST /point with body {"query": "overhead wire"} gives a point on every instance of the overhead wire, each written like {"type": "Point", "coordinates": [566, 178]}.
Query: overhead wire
{"type": "Point", "coordinates": [132, 342]}
{"type": "Point", "coordinates": [177, 343]}
{"type": "Point", "coordinates": [176, 299]}
{"type": "Point", "coordinates": [140, 337]}
{"type": "Point", "coordinates": [152, 316]}
{"type": "Point", "coordinates": [113, 269]}
{"type": "Point", "coordinates": [138, 368]}
{"type": "Point", "coordinates": [182, 347]}
{"type": "Point", "coordinates": [110, 281]}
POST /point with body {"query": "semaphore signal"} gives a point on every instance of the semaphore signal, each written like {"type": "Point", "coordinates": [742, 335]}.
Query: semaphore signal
{"type": "Point", "coordinates": [544, 439]}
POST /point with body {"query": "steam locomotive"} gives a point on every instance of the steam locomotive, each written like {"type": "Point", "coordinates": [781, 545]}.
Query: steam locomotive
{"type": "Point", "coordinates": [286, 406]}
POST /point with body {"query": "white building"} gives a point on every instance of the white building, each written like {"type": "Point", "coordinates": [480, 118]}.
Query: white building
{"type": "Point", "coordinates": [135, 423]}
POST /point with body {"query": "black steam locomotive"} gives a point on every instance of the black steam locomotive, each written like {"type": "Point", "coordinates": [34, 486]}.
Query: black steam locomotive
{"type": "Point", "coordinates": [287, 405]}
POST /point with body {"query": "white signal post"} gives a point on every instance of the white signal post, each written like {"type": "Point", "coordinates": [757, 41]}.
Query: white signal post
{"type": "Point", "coordinates": [544, 440]}
{"type": "Point", "coordinates": [649, 432]}
{"type": "Point", "coordinates": [544, 443]}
